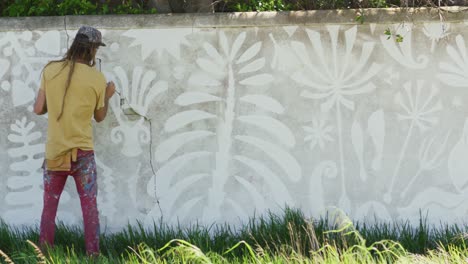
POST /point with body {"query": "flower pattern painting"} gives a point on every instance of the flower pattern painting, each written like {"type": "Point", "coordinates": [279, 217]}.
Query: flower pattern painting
{"type": "Point", "coordinates": [319, 134]}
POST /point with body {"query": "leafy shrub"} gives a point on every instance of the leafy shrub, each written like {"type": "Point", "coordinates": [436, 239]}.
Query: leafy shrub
{"type": "Point", "coordinates": [29, 8]}
{"type": "Point", "coordinates": [133, 8]}
{"type": "Point", "coordinates": [279, 5]}
{"type": "Point", "coordinates": [16, 8]}
{"type": "Point", "coordinates": [102, 7]}
{"type": "Point", "coordinates": [258, 5]}
{"type": "Point", "coordinates": [76, 7]}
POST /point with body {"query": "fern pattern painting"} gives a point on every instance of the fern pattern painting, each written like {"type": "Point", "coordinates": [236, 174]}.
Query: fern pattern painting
{"type": "Point", "coordinates": [225, 79]}
{"type": "Point", "coordinates": [24, 200]}
{"type": "Point", "coordinates": [26, 182]}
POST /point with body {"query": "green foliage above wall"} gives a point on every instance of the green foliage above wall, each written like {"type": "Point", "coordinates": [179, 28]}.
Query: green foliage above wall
{"type": "Point", "coordinates": [280, 5]}
{"type": "Point", "coordinates": [16, 8]}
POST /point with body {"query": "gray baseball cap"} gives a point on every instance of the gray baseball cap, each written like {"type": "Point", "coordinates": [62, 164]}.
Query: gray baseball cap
{"type": "Point", "coordinates": [94, 35]}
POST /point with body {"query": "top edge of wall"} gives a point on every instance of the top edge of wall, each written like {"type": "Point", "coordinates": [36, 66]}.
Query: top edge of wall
{"type": "Point", "coordinates": [258, 19]}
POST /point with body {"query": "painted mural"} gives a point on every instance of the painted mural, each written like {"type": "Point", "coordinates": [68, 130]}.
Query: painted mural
{"type": "Point", "coordinates": [220, 124]}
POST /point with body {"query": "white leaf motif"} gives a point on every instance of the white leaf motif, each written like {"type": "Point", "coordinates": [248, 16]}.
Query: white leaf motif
{"type": "Point", "coordinates": [190, 98]}
{"type": "Point", "coordinates": [455, 74]}
{"type": "Point", "coordinates": [253, 66]}
{"type": "Point", "coordinates": [272, 126]}
{"type": "Point", "coordinates": [281, 157]}
{"type": "Point", "coordinates": [184, 118]}
{"type": "Point", "coordinates": [258, 80]}
{"type": "Point", "coordinates": [172, 167]}
{"type": "Point", "coordinates": [358, 144]}
{"type": "Point", "coordinates": [376, 129]}
{"type": "Point", "coordinates": [187, 182]}
{"type": "Point", "coordinates": [209, 66]}
{"type": "Point", "coordinates": [300, 48]}
{"type": "Point", "coordinates": [171, 145]}
{"type": "Point", "coordinates": [237, 45]}
{"type": "Point", "coordinates": [271, 179]}
{"type": "Point", "coordinates": [250, 52]}
{"type": "Point", "coordinates": [254, 193]}
{"type": "Point", "coordinates": [212, 52]}
{"type": "Point", "coordinates": [224, 43]}
{"type": "Point", "coordinates": [182, 186]}
{"type": "Point", "coordinates": [16, 182]}
{"type": "Point", "coordinates": [264, 102]}
{"type": "Point", "coordinates": [453, 80]}
{"type": "Point", "coordinates": [185, 210]}
{"type": "Point", "coordinates": [203, 79]}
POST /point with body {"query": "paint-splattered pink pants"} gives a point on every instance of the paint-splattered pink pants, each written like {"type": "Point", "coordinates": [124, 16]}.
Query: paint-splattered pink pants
{"type": "Point", "coordinates": [84, 173]}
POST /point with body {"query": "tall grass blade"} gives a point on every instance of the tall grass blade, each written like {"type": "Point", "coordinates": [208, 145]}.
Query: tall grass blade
{"type": "Point", "coordinates": [39, 255]}
{"type": "Point", "coordinates": [6, 258]}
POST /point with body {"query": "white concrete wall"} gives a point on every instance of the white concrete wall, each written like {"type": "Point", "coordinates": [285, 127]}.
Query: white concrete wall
{"type": "Point", "coordinates": [250, 112]}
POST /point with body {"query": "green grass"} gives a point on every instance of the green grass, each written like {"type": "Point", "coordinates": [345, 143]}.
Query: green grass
{"type": "Point", "coordinates": [286, 238]}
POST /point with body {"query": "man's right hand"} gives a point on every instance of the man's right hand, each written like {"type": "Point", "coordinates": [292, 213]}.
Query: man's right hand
{"type": "Point", "coordinates": [101, 113]}
{"type": "Point", "coordinates": [110, 89]}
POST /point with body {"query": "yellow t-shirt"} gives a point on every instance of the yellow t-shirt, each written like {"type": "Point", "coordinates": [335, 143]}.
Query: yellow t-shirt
{"type": "Point", "coordinates": [85, 95]}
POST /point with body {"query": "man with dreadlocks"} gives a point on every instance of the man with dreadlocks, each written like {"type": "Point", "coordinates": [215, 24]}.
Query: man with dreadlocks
{"type": "Point", "coordinates": [72, 91]}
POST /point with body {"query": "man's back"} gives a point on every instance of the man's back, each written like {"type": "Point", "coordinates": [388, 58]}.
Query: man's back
{"type": "Point", "coordinates": [84, 95]}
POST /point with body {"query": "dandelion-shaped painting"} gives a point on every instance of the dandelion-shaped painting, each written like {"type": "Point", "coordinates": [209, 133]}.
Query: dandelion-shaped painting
{"type": "Point", "coordinates": [335, 82]}
{"type": "Point", "coordinates": [421, 112]}
{"type": "Point", "coordinates": [219, 85]}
